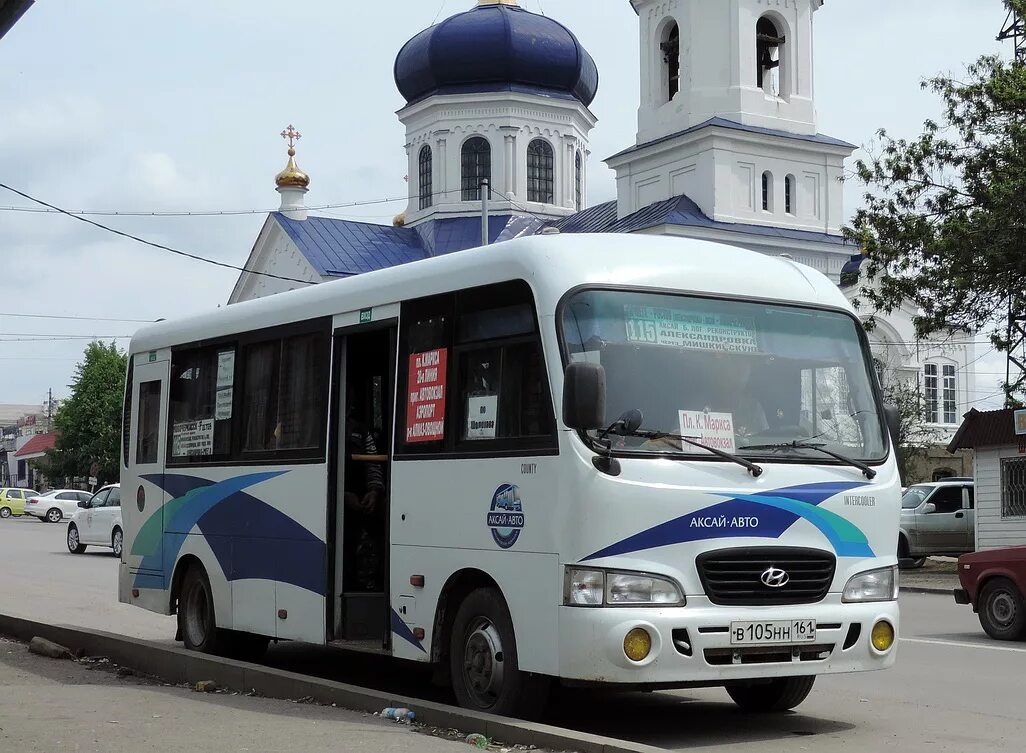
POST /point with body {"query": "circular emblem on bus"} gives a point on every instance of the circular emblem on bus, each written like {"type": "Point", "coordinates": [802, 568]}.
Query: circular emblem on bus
{"type": "Point", "coordinates": [506, 515]}
{"type": "Point", "coordinates": [774, 577]}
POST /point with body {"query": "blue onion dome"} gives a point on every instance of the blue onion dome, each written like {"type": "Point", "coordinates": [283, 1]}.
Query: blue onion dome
{"type": "Point", "coordinates": [497, 46]}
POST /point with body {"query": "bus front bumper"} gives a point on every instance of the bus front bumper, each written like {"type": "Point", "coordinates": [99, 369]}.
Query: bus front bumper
{"type": "Point", "coordinates": [692, 644]}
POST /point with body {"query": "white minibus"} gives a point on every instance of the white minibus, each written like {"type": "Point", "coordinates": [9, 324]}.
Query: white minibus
{"type": "Point", "coordinates": [594, 460]}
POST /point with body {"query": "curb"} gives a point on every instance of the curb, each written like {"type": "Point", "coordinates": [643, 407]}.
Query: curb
{"type": "Point", "coordinates": [177, 665]}
{"type": "Point", "coordinates": [926, 590]}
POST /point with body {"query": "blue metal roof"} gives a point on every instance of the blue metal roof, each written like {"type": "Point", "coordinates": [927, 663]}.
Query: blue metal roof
{"type": "Point", "coordinates": [444, 236]}
{"type": "Point", "coordinates": [596, 219]}
{"type": "Point", "coordinates": [338, 248]}
{"type": "Point", "coordinates": [817, 138]}
{"type": "Point", "coordinates": [495, 44]}
{"type": "Point", "coordinates": [680, 210]}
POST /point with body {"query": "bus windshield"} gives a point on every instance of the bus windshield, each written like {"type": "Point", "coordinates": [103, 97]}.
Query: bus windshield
{"type": "Point", "coordinates": [758, 379]}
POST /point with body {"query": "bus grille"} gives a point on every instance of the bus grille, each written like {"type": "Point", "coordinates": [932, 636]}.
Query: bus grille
{"type": "Point", "coordinates": [734, 576]}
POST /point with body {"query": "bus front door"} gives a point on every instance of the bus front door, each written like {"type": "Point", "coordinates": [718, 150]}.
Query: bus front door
{"type": "Point", "coordinates": [366, 379]}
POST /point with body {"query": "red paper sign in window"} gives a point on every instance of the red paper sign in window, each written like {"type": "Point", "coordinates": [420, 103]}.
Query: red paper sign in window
{"type": "Point", "coordinates": [425, 406]}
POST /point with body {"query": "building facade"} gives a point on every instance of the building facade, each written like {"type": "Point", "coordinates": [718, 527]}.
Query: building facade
{"type": "Point", "coordinates": [727, 149]}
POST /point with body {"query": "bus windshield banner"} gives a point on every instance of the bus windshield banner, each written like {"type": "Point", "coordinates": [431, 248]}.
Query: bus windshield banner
{"type": "Point", "coordinates": [691, 330]}
{"type": "Point", "coordinates": [425, 407]}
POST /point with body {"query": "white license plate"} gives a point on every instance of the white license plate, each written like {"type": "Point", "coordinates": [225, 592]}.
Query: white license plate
{"type": "Point", "coordinates": [772, 632]}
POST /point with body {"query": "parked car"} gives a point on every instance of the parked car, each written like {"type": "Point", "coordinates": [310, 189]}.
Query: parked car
{"type": "Point", "coordinates": [937, 518]}
{"type": "Point", "coordinates": [98, 523]}
{"type": "Point", "coordinates": [56, 504]}
{"type": "Point", "coordinates": [993, 582]}
{"type": "Point", "coordinates": [12, 501]}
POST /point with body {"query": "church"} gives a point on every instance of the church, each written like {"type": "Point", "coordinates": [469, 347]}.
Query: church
{"type": "Point", "coordinates": [727, 149]}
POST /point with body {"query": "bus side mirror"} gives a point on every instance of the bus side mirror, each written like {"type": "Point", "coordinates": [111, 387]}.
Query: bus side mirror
{"type": "Point", "coordinates": [893, 423]}
{"type": "Point", "coordinates": [584, 395]}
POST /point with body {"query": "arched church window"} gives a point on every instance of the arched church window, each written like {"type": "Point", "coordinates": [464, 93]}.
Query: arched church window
{"type": "Point", "coordinates": [767, 191]}
{"type": "Point", "coordinates": [769, 46]}
{"type": "Point", "coordinates": [476, 167]}
{"type": "Point", "coordinates": [789, 194]}
{"type": "Point", "coordinates": [424, 168]}
{"type": "Point", "coordinates": [540, 173]}
{"type": "Point", "coordinates": [671, 59]}
{"type": "Point", "coordinates": [578, 181]}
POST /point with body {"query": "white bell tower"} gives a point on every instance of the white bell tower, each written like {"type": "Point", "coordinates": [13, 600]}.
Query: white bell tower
{"type": "Point", "coordinates": [727, 116]}
{"type": "Point", "coordinates": [746, 60]}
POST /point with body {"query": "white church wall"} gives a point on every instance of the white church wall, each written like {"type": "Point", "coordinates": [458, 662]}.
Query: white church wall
{"type": "Point", "coordinates": [509, 121]}
{"type": "Point", "coordinates": [273, 253]}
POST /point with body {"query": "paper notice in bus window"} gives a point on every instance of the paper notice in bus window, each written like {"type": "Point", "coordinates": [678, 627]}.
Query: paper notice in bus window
{"type": "Point", "coordinates": [223, 404]}
{"type": "Point", "coordinates": [691, 331]}
{"type": "Point", "coordinates": [225, 369]}
{"type": "Point", "coordinates": [712, 429]}
{"type": "Point", "coordinates": [482, 415]}
{"type": "Point", "coordinates": [425, 402]}
{"type": "Point", "coordinates": [193, 438]}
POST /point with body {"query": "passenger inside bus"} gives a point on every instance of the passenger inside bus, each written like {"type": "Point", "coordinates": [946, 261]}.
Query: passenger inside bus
{"type": "Point", "coordinates": [365, 508]}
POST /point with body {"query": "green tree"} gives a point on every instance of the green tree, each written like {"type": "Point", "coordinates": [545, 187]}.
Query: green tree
{"type": "Point", "coordinates": [89, 421]}
{"type": "Point", "coordinates": [944, 220]}
{"type": "Point", "coordinates": [915, 435]}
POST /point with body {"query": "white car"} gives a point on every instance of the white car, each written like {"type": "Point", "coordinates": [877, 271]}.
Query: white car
{"type": "Point", "coordinates": [56, 504]}
{"type": "Point", "coordinates": [98, 523]}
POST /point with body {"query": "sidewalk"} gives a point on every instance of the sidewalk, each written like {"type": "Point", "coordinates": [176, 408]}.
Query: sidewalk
{"type": "Point", "coordinates": [938, 575]}
{"type": "Point", "coordinates": [51, 706]}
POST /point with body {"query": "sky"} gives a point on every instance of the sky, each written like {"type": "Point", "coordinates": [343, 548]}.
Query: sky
{"type": "Point", "coordinates": [168, 106]}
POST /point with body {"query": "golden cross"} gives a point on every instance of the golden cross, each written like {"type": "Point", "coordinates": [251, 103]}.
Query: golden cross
{"type": "Point", "coordinates": [291, 135]}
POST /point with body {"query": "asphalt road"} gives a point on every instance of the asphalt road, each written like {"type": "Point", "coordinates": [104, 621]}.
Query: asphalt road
{"type": "Point", "coordinates": [954, 689]}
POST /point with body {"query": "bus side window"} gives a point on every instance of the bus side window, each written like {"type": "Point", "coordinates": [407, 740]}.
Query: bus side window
{"type": "Point", "coordinates": [149, 419]}
{"type": "Point", "coordinates": [503, 388]}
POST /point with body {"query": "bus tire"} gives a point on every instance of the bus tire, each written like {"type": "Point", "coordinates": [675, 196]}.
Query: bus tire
{"type": "Point", "coordinates": [781, 694]}
{"type": "Point", "coordinates": [196, 620]}
{"type": "Point", "coordinates": [1001, 609]}
{"type": "Point", "coordinates": [483, 660]}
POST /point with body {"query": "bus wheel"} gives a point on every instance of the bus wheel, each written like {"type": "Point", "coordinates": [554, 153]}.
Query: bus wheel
{"type": "Point", "coordinates": [1002, 612]}
{"type": "Point", "coordinates": [196, 621]}
{"type": "Point", "coordinates": [781, 694]}
{"type": "Point", "coordinates": [483, 660]}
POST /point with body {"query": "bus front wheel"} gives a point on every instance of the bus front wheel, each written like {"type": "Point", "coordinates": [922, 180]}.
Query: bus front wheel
{"type": "Point", "coordinates": [483, 660]}
{"type": "Point", "coordinates": [196, 622]}
{"type": "Point", "coordinates": [781, 694]}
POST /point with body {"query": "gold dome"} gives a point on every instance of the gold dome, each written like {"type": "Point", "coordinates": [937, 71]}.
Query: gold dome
{"type": "Point", "coordinates": [292, 176]}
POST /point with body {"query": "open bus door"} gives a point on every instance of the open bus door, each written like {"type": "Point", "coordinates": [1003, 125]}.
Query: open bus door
{"type": "Point", "coordinates": [364, 379]}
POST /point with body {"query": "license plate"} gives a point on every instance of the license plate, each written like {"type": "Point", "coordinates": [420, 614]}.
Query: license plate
{"type": "Point", "coordinates": [772, 633]}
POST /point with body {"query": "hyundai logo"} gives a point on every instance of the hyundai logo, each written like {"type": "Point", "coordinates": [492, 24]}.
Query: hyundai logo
{"type": "Point", "coordinates": [774, 577]}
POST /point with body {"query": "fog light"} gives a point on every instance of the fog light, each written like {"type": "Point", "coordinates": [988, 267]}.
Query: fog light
{"type": "Point", "coordinates": [883, 635]}
{"type": "Point", "coordinates": [637, 644]}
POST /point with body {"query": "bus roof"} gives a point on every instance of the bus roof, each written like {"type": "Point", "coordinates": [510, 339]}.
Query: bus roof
{"type": "Point", "coordinates": [551, 264]}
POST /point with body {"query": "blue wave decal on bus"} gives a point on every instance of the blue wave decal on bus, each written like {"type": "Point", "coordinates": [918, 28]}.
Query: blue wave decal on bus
{"type": "Point", "coordinates": [401, 629]}
{"type": "Point", "coordinates": [250, 538]}
{"type": "Point", "coordinates": [763, 515]}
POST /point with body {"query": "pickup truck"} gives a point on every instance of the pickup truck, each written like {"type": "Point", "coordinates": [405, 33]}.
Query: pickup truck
{"type": "Point", "coordinates": [993, 582]}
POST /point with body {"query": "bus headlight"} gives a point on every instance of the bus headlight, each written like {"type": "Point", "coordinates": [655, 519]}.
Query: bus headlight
{"type": "Point", "coordinates": [595, 588]}
{"type": "Point", "coordinates": [875, 585]}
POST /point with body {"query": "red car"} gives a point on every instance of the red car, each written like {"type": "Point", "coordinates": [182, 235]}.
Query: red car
{"type": "Point", "coordinates": [994, 581]}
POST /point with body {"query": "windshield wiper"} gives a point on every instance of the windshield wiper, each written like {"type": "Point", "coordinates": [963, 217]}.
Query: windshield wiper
{"type": "Point", "coordinates": [755, 470]}
{"type": "Point", "coordinates": [796, 445]}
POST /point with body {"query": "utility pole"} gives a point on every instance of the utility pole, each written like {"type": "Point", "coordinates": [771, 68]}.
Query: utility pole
{"type": "Point", "coordinates": [49, 410]}
{"type": "Point", "coordinates": [1015, 366]}
{"type": "Point", "coordinates": [484, 213]}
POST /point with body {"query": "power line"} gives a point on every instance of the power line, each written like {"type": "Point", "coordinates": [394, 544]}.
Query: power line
{"type": "Point", "coordinates": [78, 318]}
{"type": "Point", "coordinates": [151, 243]}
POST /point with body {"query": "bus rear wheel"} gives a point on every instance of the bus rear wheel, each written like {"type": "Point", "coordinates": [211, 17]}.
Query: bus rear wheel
{"type": "Point", "coordinates": [781, 694]}
{"type": "Point", "coordinates": [483, 660]}
{"type": "Point", "coordinates": [196, 622]}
